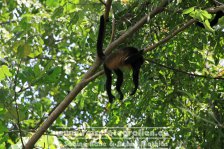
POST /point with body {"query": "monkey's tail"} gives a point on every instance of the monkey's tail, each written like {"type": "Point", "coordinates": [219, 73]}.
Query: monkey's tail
{"type": "Point", "coordinates": [218, 15]}
{"type": "Point", "coordinates": [100, 39]}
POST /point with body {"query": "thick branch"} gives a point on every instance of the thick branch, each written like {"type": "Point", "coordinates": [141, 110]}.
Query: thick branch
{"type": "Point", "coordinates": [68, 99]}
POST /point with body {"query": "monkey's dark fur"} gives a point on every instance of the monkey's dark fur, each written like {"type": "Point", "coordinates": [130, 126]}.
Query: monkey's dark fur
{"type": "Point", "coordinates": [125, 57]}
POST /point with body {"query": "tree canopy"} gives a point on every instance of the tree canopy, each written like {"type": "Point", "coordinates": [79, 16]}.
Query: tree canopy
{"type": "Point", "coordinates": [51, 79]}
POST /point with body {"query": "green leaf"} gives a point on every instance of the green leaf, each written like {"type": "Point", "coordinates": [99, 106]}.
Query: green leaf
{"type": "Point", "coordinates": [198, 15]}
{"type": "Point", "coordinates": [221, 22]}
{"type": "Point", "coordinates": [161, 77]}
{"type": "Point", "coordinates": [206, 14]}
{"type": "Point", "coordinates": [4, 94]}
{"type": "Point", "coordinates": [2, 75]}
{"type": "Point", "coordinates": [189, 10]}
{"type": "Point", "coordinates": [74, 19]}
{"type": "Point", "coordinates": [29, 122]}
{"type": "Point", "coordinates": [54, 72]}
{"type": "Point", "coordinates": [26, 22]}
{"type": "Point", "coordinates": [12, 5]}
{"type": "Point", "coordinates": [12, 113]}
{"type": "Point", "coordinates": [52, 3]}
{"type": "Point", "coordinates": [37, 70]}
{"type": "Point", "coordinates": [186, 93]}
{"type": "Point", "coordinates": [49, 65]}
{"type": "Point", "coordinates": [52, 75]}
{"type": "Point", "coordinates": [27, 75]}
{"type": "Point", "coordinates": [27, 50]}
{"type": "Point", "coordinates": [81, 104]}
{"type": "Point", "coordinates": [58, 12]}
{"type": "Point", "coordinates": [22, 49]}
{"type": "Point", "coordinates": [3, 128]}
{"type": "Point", "coordinates": [207, 26]}
{"type": "Point", "coordinates": [117, 119]}
{"type": "Point", "coordinates": [6, 71]}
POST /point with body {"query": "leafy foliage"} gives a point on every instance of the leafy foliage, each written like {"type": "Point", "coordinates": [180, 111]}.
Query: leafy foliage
{"type": "Point", "coordinates": [48, 45]}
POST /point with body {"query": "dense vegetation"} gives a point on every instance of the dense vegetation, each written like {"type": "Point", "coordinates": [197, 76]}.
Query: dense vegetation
{"type": "Point", "coordinates": [47, 46]}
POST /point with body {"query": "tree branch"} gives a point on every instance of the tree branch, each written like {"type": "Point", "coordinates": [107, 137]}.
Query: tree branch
{"type": "Point", "coordinates": [94, 76]}
{"type": "Point", "coordinates": [68, 99]}
{"type": "Point", "coordinates": [184, 72]}
{"type": "Point", "coordinates": [138, 25]}
{"type": "Point", "coordinates": [113, 27]}
{"type": "Point", "coordinates": [102, 2]}
{"type": "Point", "coordinates": [171, 35]}
{"type": "Point", "coordinates": [181, 28]}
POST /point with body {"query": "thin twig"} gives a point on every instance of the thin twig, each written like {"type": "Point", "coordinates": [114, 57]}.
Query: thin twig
{"type": "Point", "coordinates": [184, 72]}
{"type": "Point", "coordinates": [16, 104]}
{"type": "Point", "coordinates": [102, 2]}
{"type": "Point", "coordinates": [94, 76]}
{"type": "Point", "coordinates": [113, 26]}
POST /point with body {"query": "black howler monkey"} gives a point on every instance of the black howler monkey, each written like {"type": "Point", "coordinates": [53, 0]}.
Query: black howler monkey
{"type": "Point", "coordinates": [124, 57]}
{"type": "Point", "coordinates": [218, 15]}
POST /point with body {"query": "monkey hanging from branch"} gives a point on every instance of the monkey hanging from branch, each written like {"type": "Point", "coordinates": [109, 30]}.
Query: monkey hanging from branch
{"type": "Point", "coordinates": [129, 57]}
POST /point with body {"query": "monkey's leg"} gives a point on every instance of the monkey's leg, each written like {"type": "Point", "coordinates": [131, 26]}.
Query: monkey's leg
{"type": "Point", "coordinates": [135, 77]}
{"type": "Point", "coordinates": [119, 82]}
{"type": "Point", "coordinates": [108, 73]}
